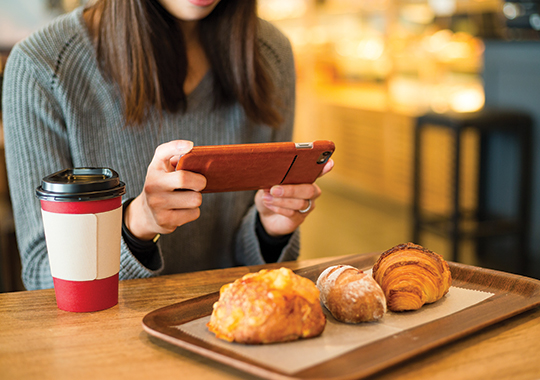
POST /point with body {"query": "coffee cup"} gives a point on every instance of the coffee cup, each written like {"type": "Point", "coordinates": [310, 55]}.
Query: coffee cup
{"type": "Point", "coordinates": [82, 218]}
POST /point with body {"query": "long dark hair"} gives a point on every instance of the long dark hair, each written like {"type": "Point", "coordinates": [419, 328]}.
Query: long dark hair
{"type": "Point", "coordinates": [141, 48]}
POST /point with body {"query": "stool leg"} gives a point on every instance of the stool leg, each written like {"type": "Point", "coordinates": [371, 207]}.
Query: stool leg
{"type": "Point", "coordinates": [481, 206]}
{"type": "Point", "coordinates": [525, 200]}
{"type": "Point", "coordinates": [454, 224]}
{"type": "Point", "coordinates": [416, 184]}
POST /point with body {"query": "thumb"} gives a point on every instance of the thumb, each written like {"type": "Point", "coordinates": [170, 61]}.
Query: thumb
{"type": "Point", "coordinates": [167, 154]}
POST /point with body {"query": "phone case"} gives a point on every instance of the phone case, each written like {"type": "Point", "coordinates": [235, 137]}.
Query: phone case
{"type": "Point", "coordinates": [241, 167]}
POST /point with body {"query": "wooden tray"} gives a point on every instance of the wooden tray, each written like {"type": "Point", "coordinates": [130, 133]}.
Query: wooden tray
{"type": "Point", "coordinates": [512, 295]}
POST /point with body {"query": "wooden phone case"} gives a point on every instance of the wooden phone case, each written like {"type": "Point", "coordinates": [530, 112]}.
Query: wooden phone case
{"type": "Point", "coordinates": [239, 167]}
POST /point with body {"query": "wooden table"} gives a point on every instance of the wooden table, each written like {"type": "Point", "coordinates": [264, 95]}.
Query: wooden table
{"type": "Point", "coordinates": [39, 341]}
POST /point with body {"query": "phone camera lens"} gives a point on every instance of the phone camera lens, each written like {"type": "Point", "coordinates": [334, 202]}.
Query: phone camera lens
{"type": "Point", "coordinates": [324, 157]}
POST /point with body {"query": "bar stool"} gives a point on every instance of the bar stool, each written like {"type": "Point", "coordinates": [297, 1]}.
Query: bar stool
{"type": "Point", "coordinates": [486, 122]}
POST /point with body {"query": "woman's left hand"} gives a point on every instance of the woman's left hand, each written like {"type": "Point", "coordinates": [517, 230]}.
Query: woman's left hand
{"type": "Point", "coordinates": [284, 207]}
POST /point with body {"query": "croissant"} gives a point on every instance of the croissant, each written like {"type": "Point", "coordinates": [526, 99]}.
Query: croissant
{"type": "Point", "coordinates": [411, 276]}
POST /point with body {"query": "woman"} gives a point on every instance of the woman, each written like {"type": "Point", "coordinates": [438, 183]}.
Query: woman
{"type": "Point", "coordinates": [132, 85]}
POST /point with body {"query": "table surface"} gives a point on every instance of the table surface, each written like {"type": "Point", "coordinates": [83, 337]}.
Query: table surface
{"type": "Point", "coordinates": [39, 341]}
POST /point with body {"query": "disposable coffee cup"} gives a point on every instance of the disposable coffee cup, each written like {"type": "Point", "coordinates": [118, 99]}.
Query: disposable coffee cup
{"type": "Point", "coordinates": [82, 218]}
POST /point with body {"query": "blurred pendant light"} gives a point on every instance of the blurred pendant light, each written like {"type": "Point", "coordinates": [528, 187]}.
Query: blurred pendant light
{"type": "Point", "coordinates": [443, 7]}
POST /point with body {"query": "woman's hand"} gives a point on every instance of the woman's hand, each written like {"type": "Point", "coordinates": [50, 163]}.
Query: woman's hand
{"type": "Point", "coordinates": [284, 207]}
{"type": "Point", "coordinates": [169, 198]}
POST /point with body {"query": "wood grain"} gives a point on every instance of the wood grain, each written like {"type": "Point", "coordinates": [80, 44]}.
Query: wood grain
{"type": "Point", "coordinates": [39, 341]}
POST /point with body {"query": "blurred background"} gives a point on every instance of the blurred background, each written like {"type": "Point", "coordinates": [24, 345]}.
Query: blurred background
{"type": "Point", "coordinates": [366, 71]}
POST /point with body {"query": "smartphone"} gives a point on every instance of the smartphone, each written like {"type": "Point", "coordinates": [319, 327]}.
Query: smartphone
{"type": "Point", "coordinates": [240, 167]}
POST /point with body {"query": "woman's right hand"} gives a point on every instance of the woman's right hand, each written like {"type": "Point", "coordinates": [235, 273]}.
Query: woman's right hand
{"type": "Point", "coordinates": [169, 198]}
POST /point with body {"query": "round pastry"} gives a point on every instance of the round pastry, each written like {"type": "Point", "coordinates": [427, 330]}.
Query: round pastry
{"type": "Point", "coordinates": [266, 307]}
{"type": "Point", "coordinates": [351, 295]}
{"type": "Point", "coordinates": [411, 276]}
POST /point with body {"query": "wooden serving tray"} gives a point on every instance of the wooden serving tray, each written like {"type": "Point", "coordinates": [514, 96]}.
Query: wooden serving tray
{"type": "Point", "coordinates": [512, 295]}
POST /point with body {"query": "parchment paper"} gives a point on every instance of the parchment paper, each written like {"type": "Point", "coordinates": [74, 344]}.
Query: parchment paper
{"type": "Point", "coordinates": [339, 338]}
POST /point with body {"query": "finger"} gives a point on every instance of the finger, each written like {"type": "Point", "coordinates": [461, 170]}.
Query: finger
{"type": "Point", "coordinates": [289, 213]}
{"type": "Point", "coordinates": [294, 204]}
{"type": "Point", "coordinates": [168, 221]}
{"type": "Point", "coordinates": [303, 191]}
{"type": "Point", "coordinates": [182, 217]}
{"type": "Point", "coordinates": [186, 180]}
{"type": "Point", "coordinates": [310, 205]}
{"type": "Point", "coordinates": [177, 180]}
{"type": "Point", "coordinates": [166, 152]}
{"type": "Point", "coordinates": [177, 200]}
{"type": "Point", "coordinates": [327, 167]}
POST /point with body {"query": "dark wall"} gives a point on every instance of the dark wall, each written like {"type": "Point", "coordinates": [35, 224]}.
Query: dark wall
{"type": "Point", "coordinates": [512, 80]}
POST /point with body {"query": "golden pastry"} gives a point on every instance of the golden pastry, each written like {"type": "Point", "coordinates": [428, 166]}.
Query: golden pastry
{"type": "Point", "coordinates": [351, 295]}
{"type": "Point", "coordinates": [266, 307]}
{"type": "Point", "coordinates": [411, 276]}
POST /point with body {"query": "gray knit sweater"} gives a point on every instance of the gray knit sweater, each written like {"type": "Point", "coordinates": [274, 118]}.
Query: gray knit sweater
{"type": "Point", "coordinates": [59, 112]}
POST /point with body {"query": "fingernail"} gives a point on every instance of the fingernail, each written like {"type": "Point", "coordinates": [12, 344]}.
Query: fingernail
{"type": "Point", "coordinates": [267, 197]}
{"type": "Point", "coordinates": [277, 191]}
{"type": "Point", "coordinates": [184, 145]}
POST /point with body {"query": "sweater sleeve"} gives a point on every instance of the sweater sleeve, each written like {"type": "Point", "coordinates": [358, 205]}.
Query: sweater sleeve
{"type": "Point", "coordinates": [277, 50]}
{"type": "Point", "coordinates": [37, 143]}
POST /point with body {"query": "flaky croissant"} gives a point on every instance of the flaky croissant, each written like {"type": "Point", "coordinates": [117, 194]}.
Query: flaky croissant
{"type": "Point", "coordinates": [411, 276]}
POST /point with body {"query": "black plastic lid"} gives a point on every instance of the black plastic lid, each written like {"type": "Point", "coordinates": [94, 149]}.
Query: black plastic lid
{"type": "Point", "coordinates": [81, 184]}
